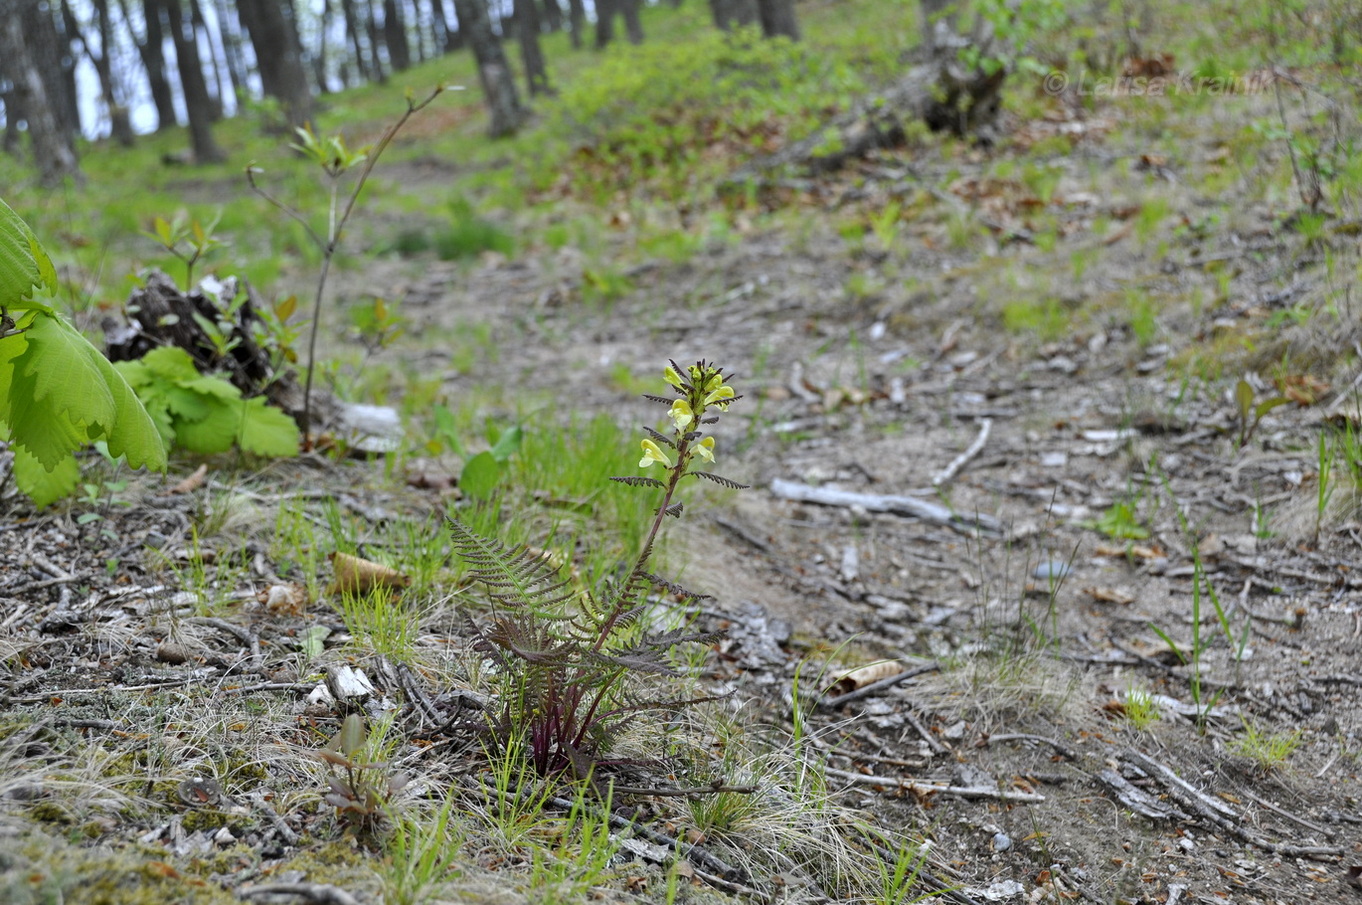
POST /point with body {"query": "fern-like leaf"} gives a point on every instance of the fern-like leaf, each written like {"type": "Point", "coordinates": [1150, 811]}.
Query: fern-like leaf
{"type": "Point", "coordinates": [675, 510]}
{"type": "Point", "coordinates": [640, 481]}
{"type": "Point", "coordinates": [660, 438]}
{"type": "Point", "coordinates": [720, 480]}
{"type": "Point", "coordinates": [516, 576]}
{"type": "Point", "coordinates": [659, 582]}
{"type": "Point", "coordinates": [651, 398]}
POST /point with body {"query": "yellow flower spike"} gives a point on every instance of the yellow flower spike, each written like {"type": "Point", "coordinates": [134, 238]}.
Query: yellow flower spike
{"type": "Point", "coordinates": [669, 374]}
{"type": "Point", "coordinates": [653, 453]}
{"type": "Point", "coordinates": [681, 414]}
{"type": "Point", "coordinates": [705, 448]}
{"type": "Point", "coordinates": [720, 397]}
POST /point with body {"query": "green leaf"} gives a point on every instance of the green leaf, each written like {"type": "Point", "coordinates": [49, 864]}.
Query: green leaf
{"type": "Point", "coordinates": [1243, 397]}
{"type": "Point", "coordinates": [508, 443]}
{"type": "Point", "coordinates": [267, 431]}
{"type": "Point", "coordinates": [23, 263]}
{"type": "Point", "coordinates": [214, 433]}
{"type": "Point", "coordinates": [41, 485]}
{"type": "Point", "coordinates": [352, 734]}
{"type": "Point", "coordinates": [480, 476]}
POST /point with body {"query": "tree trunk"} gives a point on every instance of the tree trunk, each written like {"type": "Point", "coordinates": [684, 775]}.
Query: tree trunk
{"type": "Point", "coordinates": [778, 19]}
{"type": "Point", "coordinates": [730, 14]}
{"type": "Point", "coordinates": [213, 73]}
{"type": "Point", "coordinates": [151, 48]}
{"type": "Point", "coordinates": [59, 69]}
{"type": "Point", "coordinates": [319, 61]}
{"type": "Point", "coordinates": [120, 122]}
{"type": "Point", "coordinates": [353, 26]}
{"type": "Point", "coordinates": [278, 56]}
{"type": "Point", "coordinates": [577, 22]}
{"type": "Point", "coordinates": [395, 36]}
{"type": "Point", "coordinates": [229, 27]}
{"type": "Point", "coordinates": [196, 99]}
{"type": "Point", "coordinates": [536, 75]}
{"type": "Point", "coordinates": [633, 28]}
{"type": "Point", "coordinates": [371, 30]}
{"type": "Point", "coordinates": [51, 149]}
{"type": "Point", "coordinates": [553, 16]}
{"type": "Point", "coordinates": [605, 22]}
{"type": "Point", "coordinates": [498, 85]}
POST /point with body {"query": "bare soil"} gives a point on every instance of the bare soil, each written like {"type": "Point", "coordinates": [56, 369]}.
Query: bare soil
{"type": "Point", "coordinates": [870, 369]}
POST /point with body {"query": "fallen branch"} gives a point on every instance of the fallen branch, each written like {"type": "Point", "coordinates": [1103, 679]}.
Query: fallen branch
{"type": "Point", "coordinates": [947, 474]}
{"type": "Point", "coordinates": [321, 893]}
{"type": "Point", "coordinates": [926, 788]}
{"type": "Point", "coordinates": [1222, 815]}
{"type": "Point", "coordinates": [898, 505]}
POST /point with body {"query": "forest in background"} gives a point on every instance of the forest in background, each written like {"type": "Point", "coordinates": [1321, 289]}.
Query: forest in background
{"type": "Point", "coordinates": [161, 63]}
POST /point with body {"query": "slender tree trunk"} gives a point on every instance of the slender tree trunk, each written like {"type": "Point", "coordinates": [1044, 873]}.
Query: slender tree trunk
{"type": "Point", "coordinates": [229, 27]}
{"type": "Point", "coordinates": [150, 47]}
{"type": "Point", "coordinates": [353, 27]}
{"type": "Point", "coordinates": [536, 75]}
{"type": "Point", "coordinates": [120, 123]}
{"type": "Point", "coordinates": [395, 35]}
{"type": "Point", "coordinates": [278, 55]}
{"type": "Point", "coordinates": [57, 59]}
{"type": "Point", "coordinates": [577, 22]}
{"type": "Point", "coordinates": [371, 31]}
{"type": "Point", "coordinates": [778, 19]}
{"type": "Point", "coordinates": [553, 16]}
{"type": "Point", "coordinates": [197, 101]}
{"type": "Point", "coordinates": [498, 84]}
{"type": "Point", "coordinates": [319, 61]}
{"type": "Point", "coordinates": [51, 148]}
{"type": "Point", "coordinates": [633, 27]}
{"type": "Point", "coordinates": [605, 22]}
{"type": "Point", "coordinates": [730, 14]}
{"type": "Point", "coordinates": [212, 71]}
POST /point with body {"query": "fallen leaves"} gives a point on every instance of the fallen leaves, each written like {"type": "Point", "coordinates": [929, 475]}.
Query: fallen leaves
{"type": "Point", "coordinates": [354, 575]}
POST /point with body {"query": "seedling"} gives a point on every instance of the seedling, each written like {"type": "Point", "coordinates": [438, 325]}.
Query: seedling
{"type": "Point", "coordinates": [1250, 413]}
{"type": "Point", "coordinates": [335, 160]}
{"type": "Point", "coordinates": [361, 792]}
{"type": "Point", "coordinates": [188, 240]}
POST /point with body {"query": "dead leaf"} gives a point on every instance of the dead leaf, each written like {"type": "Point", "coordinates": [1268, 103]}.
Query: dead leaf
{"type": "Point", "coordinates": [1302, 389]}
{"type": "Point", "coordinates": [284, 599]}
{"type": "Point", "coordinates": [852, 679]}
{"type": "Point", "coordinates": [1110, 595]}
{"type": "Point", "coordinates": [193, 482]}
{"type": "Point", "coordinates": [359, 576]}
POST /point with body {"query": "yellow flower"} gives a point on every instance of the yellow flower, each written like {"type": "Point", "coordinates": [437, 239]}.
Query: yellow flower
{"type": "Point", "coordinates": [720, 396]}
{"type": "Point", "coordinates": [652, 453]}
{"type": "Point", "coordinates": [706, 449]}
{"type": "Point", "coordinates": [681, 414]}
{"type": "Point", "coordinates": [669, 374]}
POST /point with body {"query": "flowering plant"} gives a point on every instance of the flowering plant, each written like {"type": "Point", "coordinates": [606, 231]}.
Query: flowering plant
{"type": "Point", "coordinates": [568, 657]}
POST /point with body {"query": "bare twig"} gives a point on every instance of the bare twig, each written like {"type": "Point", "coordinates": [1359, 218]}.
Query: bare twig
{"type": "Point", "coordinates": [947, 474]}
{"type": "Point", "coordinates": [321, 893]}
{"type": "Point", "coordinates": [925, 788]}
{"type": "Point", "coordinates": [899, 505]}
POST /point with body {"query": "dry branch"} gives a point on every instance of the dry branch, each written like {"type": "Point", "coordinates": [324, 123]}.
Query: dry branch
{"type": "Point", "coordinates": [899, 505]}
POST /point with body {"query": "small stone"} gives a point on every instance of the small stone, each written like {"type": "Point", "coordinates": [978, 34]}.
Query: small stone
{"type": "Point", "coordinates": [1001, 842]}
{"type": "Point", "coordinates": [223, 837]}
{"type": "Point", "coordinates": [1052, 569]}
